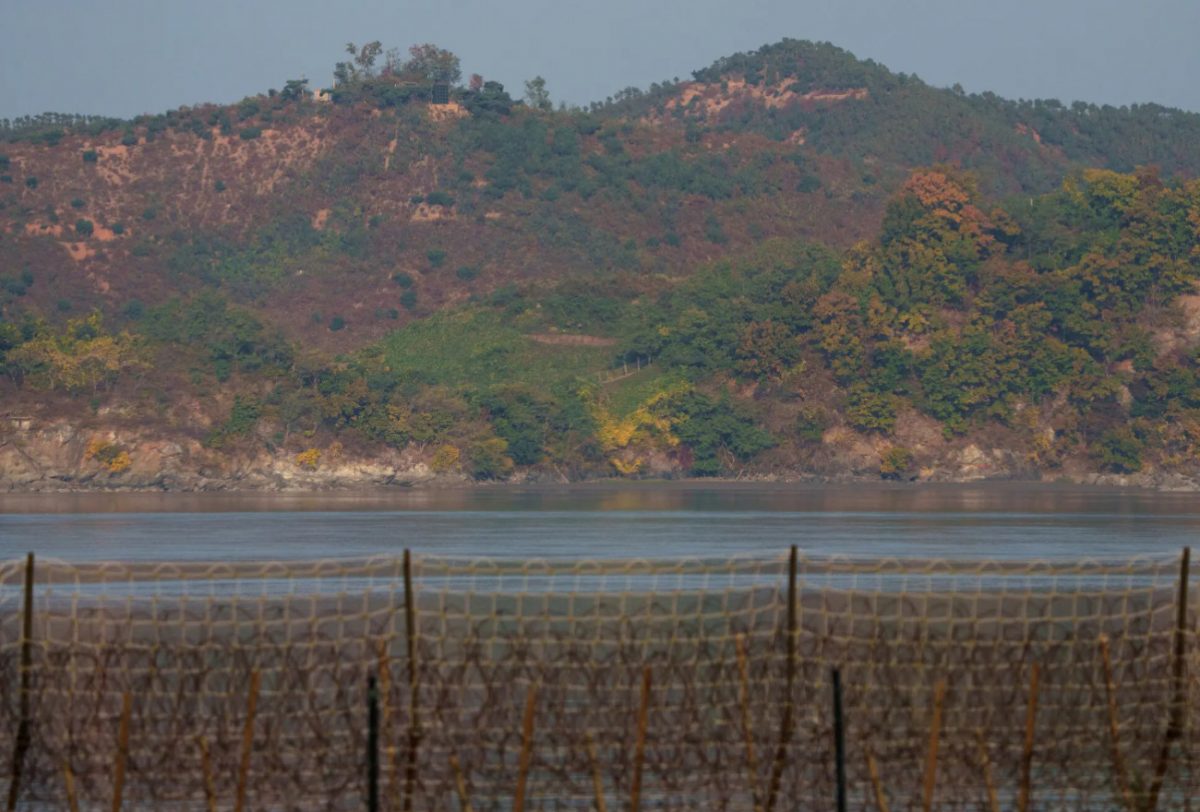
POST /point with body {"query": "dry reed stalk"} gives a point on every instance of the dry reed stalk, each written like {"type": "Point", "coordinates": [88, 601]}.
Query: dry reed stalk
{"type": "Point", "coordinates": [460, 785]}
{"type": "Point", "coordinates": [931, 757]}
{"type": "Point", "coordinates": [785, 724]}
{"type": "Point", "coordinates": [876, 784]}
{"type": "Point", "coordinates": [414, 692]}
{"type": "Point", "coordinates": [751, 760]}
{"type": "Point", "coordinates": [1114, 727]}
{"type": "Point", "coordinates": [390, 751]}
{"type": "Point", "coordinates": [247, 742]}
{"type": "Point", "coordinates": [1178, 699]}
{"type": "Point", "coordinates": [122, 751]}
{"type": "Point", "coordinates": [597, 784]}
{"type": "Point", "coordinates": [986, 763]}
{"type": "Point", "coordinates": [526, 748]}
{"type": "Point", "coordinates": [21, 742]}
{"type": "Point", "coordinates": [69, 781]}
{"type": "Point", "coordinates": [1027, 752]}
{"type": "Point", "coordinates": [210, 787]}
{"type": "Point", "coordinates": [639, 752]}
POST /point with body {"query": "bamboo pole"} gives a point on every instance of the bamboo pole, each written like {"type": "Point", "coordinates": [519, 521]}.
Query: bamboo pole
{"type": "Point", "coordinates": [372, 745]}
{"type": "Point", "coordinates": [210, 787]}
{"type": "Point", "coordinates": [1178, 698]}
{"type": "Point", "coordinates": [876, 784]}
{"type": "Point", "coordinates": [1027, 753]}
{"type": "Point", "coordinates": [247, 742]}
{"type": "Point", "coordinates": [460, 785]}
{"type": "Point", "coordinates": [839, 741]}
{"type": "Point", "coordinates": [639, 752]}
{"type": "Point", "coordinates": [69, 781]}
{"type": "Point", "coordinates": [986, 763]}
{"type": "Point", "coordinates": [122, 751]}
{"type": "Point", "coordinates": [21, 742]}
{"type": "Point", "coordinates": [747, 732]}
{"type": "Point", "coordinates": [785, 724]}
{"type": "Point", "coordinates": [931, 756]}
{"type": "Point", "coordinates": [597, 784]}
{"type": "Point", "coordinates": [1114, 727]}
{"type": "Point", "coordinates": [414, 722]}
{"type": "Point", "coordinates": [526, 748]}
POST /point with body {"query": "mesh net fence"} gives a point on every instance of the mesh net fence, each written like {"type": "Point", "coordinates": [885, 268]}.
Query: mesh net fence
{"type": "Point", "coordinates": [695, 684]}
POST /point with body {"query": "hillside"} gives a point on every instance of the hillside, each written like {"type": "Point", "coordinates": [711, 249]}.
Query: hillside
{"type": "Point", "coordinates": [797, 264]}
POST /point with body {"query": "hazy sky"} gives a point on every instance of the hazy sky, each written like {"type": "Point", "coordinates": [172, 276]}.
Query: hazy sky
{"type": "Point", "coordinates": [124, 57]}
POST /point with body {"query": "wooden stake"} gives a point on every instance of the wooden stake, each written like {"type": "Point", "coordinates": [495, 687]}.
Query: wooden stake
{"type": "Point", "coordinates": [247, 742]}
{"type": "Point", "coordinates": [747, 731]}
{"type": "Point", "coordinates": [122, 751]}
{"type": "Point", "coordinates": [993, 801]}
{"type": "Point", "coordinates": [69, 780]}
{"type": "Point", "coordinates": [21, 742]}
{"type": "Point", "coordinates": [876, 783]}
{"type": "Point", "coordinates": [1027, 753]}
{"type": "Point", "coordinates": [785, 724]}
{"type": "Point", "coordinates": [931, 757]}
{"type": "Point", "coordinates": [414, 721]}
{"type": "Point", "coordinates": [460, 784]}
{"type": "Point", "coordinates": [526, 748]}
{"type": "Point", "coordinates": [839, 741]}
{"type": "Point", "coordinates": [210, 787]}
{"type": "Point", "coordinates": [1114, 727]}
{"type": "Point", "coordinates": [639, 752]}
{"type": "Point", "coordinates": [597, 784]}
{"type": "Point", "coordinates": [1178, 698]}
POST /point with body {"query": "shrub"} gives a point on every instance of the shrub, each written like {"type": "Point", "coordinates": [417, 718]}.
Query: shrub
{"type": "Point", "coordinates": [336, 323]}
{"type": "Point", "coordinates": [445, 459]}
{"type": "Point", "coordinates": [90, 156]}
{"type": "Point", "coordinates": [78, 203]}
{"type": "Point", "coordinates": [219, 186]}
{"type": "Point", "coordinates": [118, 228]}
{"type": "Point", "coordinates": [466, 273]}
{"type": "Point", "coordinates": [1120, 450]}
{"type": "Point", "coordinates": [436, 257]}
{"type": "Point", "coordinates": [250, 133]}
{"type": "Point", "coordinates": [31, 182]}
{"type": "Point", "coordinates": [896, 463]}
{"type": "Point", "coordinates": [150, 212]}
{"type": "Point", "coordinates": [5, 161]}
{"type": "Point", "coordinates": [439, 199]}
{"type": "Point", "coordinates": [309, 458]}
{"type": "Point", "coordinates": [409, 299]}
{"type": "Point", "coordinates": [110, 455]}
{"type": "Point", "coordinates": [84, 227]}
{"type": "Point", "coordinates": [403, 279]}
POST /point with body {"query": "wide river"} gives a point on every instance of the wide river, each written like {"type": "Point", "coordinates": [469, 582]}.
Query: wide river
{"type": "Point", "coordinates": [611, 520]}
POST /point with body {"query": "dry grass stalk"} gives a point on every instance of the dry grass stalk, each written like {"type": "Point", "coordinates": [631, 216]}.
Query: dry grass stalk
{"type": "Point", "coordinates": [876, 783]}
{"type": "Point", "coordinates": [639, 753]}
{"type": "Point", "coordinates": [122, 751]}
{"type": "Point", "coordinates": [597, 783]}
{"type": "Point", "coordinates": [247, 742]}
{"type": "Point", "coordinates": [460, 785]}
{"type": "Point", "coordinates": [526, 748]}
{"type": "Point", "coordinates": [747, 730]}
{"type": "Point", "coordinates": [931, 756]}
{"type": "Point", "coordinates": [1027, 752]}
{"type": "Point", "coordinates": [210, 787]}
{"type": "Point", "coordinates": [1114, 727]}
{"type": "Point", "coordinates": [69, 781]}
{"type": "Point", "coordinates": [985, 763]}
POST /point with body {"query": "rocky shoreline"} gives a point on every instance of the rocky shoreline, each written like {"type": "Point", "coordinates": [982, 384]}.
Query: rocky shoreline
{"type": "Point", "coordinates": [61, 458]}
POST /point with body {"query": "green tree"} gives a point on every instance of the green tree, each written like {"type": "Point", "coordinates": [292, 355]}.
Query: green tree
{"type": "Point", "coordinates": [536, 94]}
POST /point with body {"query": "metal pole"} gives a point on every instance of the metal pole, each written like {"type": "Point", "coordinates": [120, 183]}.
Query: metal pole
{"type": "Point", "coordinates": [372, 745]}
{"type": "Point", "coordinates": [21, 743]}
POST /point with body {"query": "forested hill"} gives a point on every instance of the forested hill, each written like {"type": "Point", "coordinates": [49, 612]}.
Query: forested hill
{"type": "Point", "coordinates": [795, 264]}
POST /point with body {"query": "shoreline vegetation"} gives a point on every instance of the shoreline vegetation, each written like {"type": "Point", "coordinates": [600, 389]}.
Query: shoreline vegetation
{"type": "Point", "coordinates": [790, 266]}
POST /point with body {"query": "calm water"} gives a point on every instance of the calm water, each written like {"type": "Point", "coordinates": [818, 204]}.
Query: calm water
{"type": "Point", "coordinates": [653, 519]}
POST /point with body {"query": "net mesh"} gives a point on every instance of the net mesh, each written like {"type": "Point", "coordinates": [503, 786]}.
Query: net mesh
{"type": "Point", "coordinates": [579, 639]}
